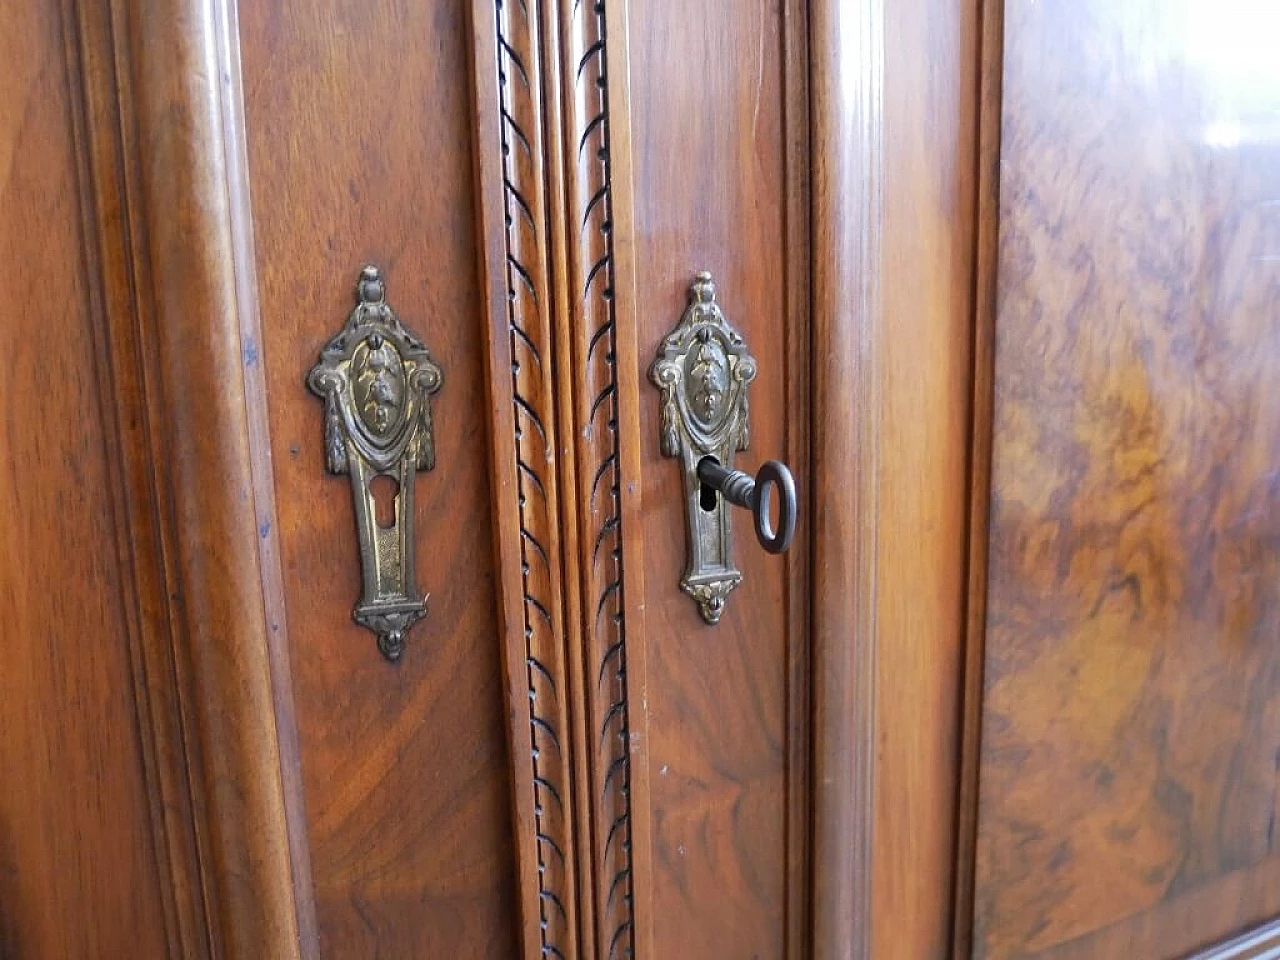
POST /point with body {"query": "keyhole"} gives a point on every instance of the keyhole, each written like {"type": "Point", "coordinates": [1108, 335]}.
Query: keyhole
{"type": "Point", "coordinates": [708, 495]}
{"type": "Point", "coordinates": [385, 492]}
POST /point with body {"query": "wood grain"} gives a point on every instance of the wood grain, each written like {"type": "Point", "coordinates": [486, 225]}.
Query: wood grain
{"type": "Point", "coordinates": [79, 870]}
{"type": "Point", "coordinates": [499, 74]}
{"type": "Point", "coordinates": [632, 386]}
{"type": "Point", "coordinates": [1176, 926]}
{"type": "Point", "coordinates": [986, 258]}
{"type": "Point", "coordinates": [848, 328]}
{"type": "Point", "coordinates": [405, 768]}
{"type": "Point", "coordinates": [533, 362]}
{"type": "Point", "coordinates": [549, 258]}
{"type": "Point", "coordinates": [797, 352]}
{"type": "Point", "coordinates": [588, 353]}
{"type": "Point", "coordinates": [192, 216]}
{"type": "Point", "coordinates": [517, 197]}
{"type": "Point", "coordinates": [711, 173]}
{"type": "Point", "coordinates": [115, 270]}
{"type": "Point", "coordinates": [1130, 714]}
{"type": "Point", "coordinates": [1261, 943]}
{"type": "Point", "coordinates": [931, 60]}
{"type": "Point", "coordinates": [894, 195]}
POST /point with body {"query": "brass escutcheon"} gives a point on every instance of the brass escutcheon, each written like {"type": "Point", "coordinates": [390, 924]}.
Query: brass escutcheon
{"type": "Point", "coordinates": [376, 379]}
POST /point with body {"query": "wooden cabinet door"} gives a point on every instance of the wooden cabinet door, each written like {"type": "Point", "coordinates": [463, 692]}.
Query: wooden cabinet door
{"type": "Point", "coordinates": [1126, 718]}
{"type": "Point", "coordinates": [1008, 278]}
{"type": "Point", "coordinates": [660, 761]}
{"type": "Point", "coordinates": [358, 129]}
{"type": "Point", "coordinates": [222, 176]}
{"type": "Point", "coordinates": [696, 790]}
{"type": "Point", "coordinates": [567, 759]}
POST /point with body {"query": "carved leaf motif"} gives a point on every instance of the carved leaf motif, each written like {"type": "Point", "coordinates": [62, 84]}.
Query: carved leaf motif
{"type": "Point", "coordinates": [670, 436]}
{"type": "Point", "coordinates": [586, 43]}
{"type": "Point", "coordinates": [548, 746]}
{"type": "Point", "coordinates": [335, 443]}
{"type": "Point", "coordinates": [378, 385]}
{"type": "Point", "coordinates": [708, 378]}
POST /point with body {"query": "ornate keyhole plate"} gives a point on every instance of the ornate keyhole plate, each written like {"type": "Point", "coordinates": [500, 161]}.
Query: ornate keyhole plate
{"type": "Point", "coordinates": [376, 379]}
{"type": "Point", "coordinates": [703, 370]}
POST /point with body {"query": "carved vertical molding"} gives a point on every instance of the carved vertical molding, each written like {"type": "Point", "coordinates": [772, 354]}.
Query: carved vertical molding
{"type": "Point", "coordinates": [167, 183]}
{"type": "Point", "coordinates": [512, 192]}
{"type": "Point", "coordinates": [544, 190]}
{"type": "Point", "coordinates": [102, 118]}
{"type": "Point", "coordinates": [170, 265]}
{"type": "Point", "coordinates": [547, 209]}
{"type": "Point", "coordinates": [529, 327]}
{"type": "Point", "coordinates": [592, 351]}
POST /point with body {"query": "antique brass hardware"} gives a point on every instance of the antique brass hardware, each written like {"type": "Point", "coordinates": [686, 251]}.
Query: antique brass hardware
{"type": "Point", "coordinates": [703, 370]}
{"type": "Point", "coordinates": [376, 379]}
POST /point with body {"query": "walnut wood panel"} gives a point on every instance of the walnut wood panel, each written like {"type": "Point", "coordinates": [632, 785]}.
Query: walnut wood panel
{"type": "Point", "coordinates": [715, 116]}
{"type": "Point", "coordinates": [79, 874]}
{"type": "Point", "coordinates": [1177, 924]}
{"type": "Point", "coordinates": [1127, 789]}
{"type": "Point", "coordinates": [161, 273]}
{"type": "Point", "coordinates": [358, 135]}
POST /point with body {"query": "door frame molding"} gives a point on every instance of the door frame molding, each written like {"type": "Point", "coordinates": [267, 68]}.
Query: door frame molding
{"type": "Point", "coordinates": [166, 132]}
{"type": "Point", "coordinates": [554, 208]}
{"type": "Point", "coordinates": [894, 154]}
{"type": "Point", "coordinates": [847, 183]}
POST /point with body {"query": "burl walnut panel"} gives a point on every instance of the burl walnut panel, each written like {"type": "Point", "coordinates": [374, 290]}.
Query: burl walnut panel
{"type": "Point", "coordinates": [1128, 782]}
{"type": "Point", "coordinates": [359, 134]}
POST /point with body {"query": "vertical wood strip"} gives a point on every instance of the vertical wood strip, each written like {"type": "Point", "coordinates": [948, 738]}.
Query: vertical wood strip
{"type": "Point", "coordinates": [98, 121]}
{"type": "Point", "coordinates": [798, 265]}
{"type": "Point", "coordinates": [557, 189]}
{"type": "Point", "coordinates": [227, 32]}
{"type": "Point", "coordinates": [628, 372]}
{"type": "Point", "coordinates": [110, 178]}
{"type": "Point", "coordinates": [490, 202]}
{"type": "Point", "coordinates": [512, 174]}
{"type": "Point", "coordinates": [592, 353]}
{"type": "Point", "coordinates": [532, 364]}
{"type": "Point", "coordinates": [986, 239]}
{"type": "Point", "coordinates": [847, 49]}
{"type": "Point", "coordinates": [201, 404]}
{"type": "Point", "coordinates": [924, 369]}
{"type": "Point", "coordinates": [551, 285]}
